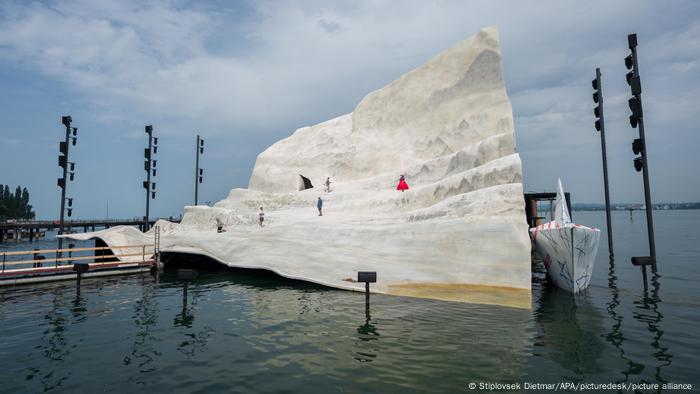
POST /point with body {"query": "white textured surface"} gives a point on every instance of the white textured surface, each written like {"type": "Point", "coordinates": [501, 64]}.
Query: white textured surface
{"type": "Point", "coordinates": [568, 250]}
{"type": "Point", "coordinates": [447, 126]}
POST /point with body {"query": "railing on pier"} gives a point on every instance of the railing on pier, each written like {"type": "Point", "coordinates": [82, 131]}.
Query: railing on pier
{"type": "Point", "coordinates": [146, 255]}
{"type": "Point", "coordinates": [19, 229]}
{"type": "Point", "coordinates": [79, 222]}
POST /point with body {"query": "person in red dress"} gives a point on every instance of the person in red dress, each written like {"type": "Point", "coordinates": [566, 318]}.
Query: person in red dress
{"type": "Point", "coordinates": [402, 184]}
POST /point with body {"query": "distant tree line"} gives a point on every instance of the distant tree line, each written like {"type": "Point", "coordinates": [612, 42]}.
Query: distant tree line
{"type": "Point", "coordinates": [15, 205]}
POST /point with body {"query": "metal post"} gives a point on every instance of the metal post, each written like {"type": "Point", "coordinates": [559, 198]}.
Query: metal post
{"type": "Point", "coordinates": [642, 262]}
{"type": "Point", "coordinates": [367, 297]}
{"type": "Point", "coordinates": [367, 277]}
{"type": "Point", "coordinates": [645, 168]}
{"type": "Point", "coordinates": [149, 130]}
{"type": "Point", "coordinates": [196, 173]}
{"type": "Point", "coordinates": [67, 123]}
{"type": "Point", "coordinates": [80, 268]}
{"type": "Point", "coordinates": [605, 162]}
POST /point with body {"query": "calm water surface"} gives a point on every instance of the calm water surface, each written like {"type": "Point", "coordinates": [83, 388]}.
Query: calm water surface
{"type": "Point", "coordinates": [243, 331]}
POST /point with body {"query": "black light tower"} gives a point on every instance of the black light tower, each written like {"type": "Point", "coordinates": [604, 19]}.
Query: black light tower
{"type": "Point", "coordinates": [62, 182]}
{"type": "Point", "coordinates": [198, 172]}
{"type": "Point", "coordinates": [639, 148]}
{"type": "Point", "coordinates": [149, 165]}
{"type": "Point", "coordinates": [600, 126]}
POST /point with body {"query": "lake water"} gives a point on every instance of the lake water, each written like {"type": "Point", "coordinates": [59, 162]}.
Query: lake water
{"type": "Point", "coordinates": [248, 331]}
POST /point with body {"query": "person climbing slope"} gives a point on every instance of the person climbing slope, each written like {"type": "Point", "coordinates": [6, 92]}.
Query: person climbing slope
{"type": "Point", "coordinates": [402, 184]}
{"type": "Point", "coordinates": [262, 216]}
{"type": "Point", "coordinates": [319, 205]}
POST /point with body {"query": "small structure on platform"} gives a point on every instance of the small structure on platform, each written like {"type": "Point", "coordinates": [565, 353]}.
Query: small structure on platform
{"type": "Point", "coordinates": [532, 212]}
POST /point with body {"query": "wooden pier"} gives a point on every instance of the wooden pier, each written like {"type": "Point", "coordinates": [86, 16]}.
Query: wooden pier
{"type": "Point", "coordinates": [17, 230]}
{"type": "Point", "coordinates": [19, 233]}
{"type": "Point", "coordinates": [103, 262]}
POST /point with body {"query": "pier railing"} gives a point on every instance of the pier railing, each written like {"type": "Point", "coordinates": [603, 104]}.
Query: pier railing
{"type": "Point", "coordinates": [145, 252]}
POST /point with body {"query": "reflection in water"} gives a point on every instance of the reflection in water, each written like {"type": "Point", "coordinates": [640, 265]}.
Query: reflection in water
{"type": "Point", "coordinates": [56, 348]}
{"type": "Point", "coordinates": [648, 312]}
{"type": "Point", "coordinates": [145, 317]}
{"type": "Point", "coordinates": [403, 340]}
{"type": "Point", "coordinates": [192, 342]}
{"type": "Point", "coordinates": [186, 317]}
{"type": "Point", "coordinates": [55, 332]}
{"type": "Point", "coordinates": [366, 333]}
{"type": "Point", "coordinates": [196, 342]}
{"type": "Point", "coordinates": [54, 337]}
{"type": "Point", "coordinates": [79, 309]}
{"type": "Point", "coordinates": [570, 325]}
{"type": "Point", "coordinates": [615, 336]}
{"type": "Point", "coordinates": [271, 335]}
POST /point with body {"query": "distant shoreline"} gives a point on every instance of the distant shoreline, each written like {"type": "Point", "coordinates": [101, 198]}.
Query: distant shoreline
{"type": "Point", "coordinates": [637, 207]}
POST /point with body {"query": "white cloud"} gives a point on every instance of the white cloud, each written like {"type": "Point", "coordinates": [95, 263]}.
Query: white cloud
{"type": "Point", "coordinates": [274, 66]}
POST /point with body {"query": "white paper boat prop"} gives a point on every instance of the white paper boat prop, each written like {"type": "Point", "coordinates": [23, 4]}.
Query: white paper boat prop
{"type": "Point", "coordinates": [567, 249]}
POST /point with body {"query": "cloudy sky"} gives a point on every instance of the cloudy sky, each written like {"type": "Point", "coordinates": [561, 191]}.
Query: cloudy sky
{"type": "Point", "coordinates": [245, 74]}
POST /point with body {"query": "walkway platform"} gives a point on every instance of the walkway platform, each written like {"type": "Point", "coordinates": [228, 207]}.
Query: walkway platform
{"type": "Point", "coordinates": [103, 263]}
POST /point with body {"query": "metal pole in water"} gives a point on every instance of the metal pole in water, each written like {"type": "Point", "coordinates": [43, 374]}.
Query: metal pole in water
{"type": "Point", "coordinates": [600, 126]}
{"type": "Point", "coordinates": [367, 296]}
{"type": "Point", "coordinates": [639, 145]}
{"type": "Point", "coordinates": [642, 262]}
{"type": "Point", "coordinates": [63, 162]}
{"type": "Point", "coordinates": [367, 277]}
{"type": "Point", "coordinates": [80, 268]}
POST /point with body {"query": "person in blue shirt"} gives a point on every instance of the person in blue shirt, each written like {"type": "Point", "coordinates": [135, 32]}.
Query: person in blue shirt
{"type": "Point", "coordinates": [319, 205]}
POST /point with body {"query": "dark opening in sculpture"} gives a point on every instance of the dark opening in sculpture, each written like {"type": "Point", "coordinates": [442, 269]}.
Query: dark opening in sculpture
{"type": "Point", "coordinates": [305, 183]}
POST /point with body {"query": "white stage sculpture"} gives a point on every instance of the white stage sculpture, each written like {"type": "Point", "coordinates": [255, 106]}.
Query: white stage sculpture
{"type": "Point", "coordinates": [460, 228]}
